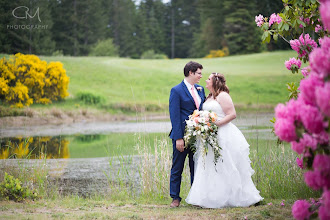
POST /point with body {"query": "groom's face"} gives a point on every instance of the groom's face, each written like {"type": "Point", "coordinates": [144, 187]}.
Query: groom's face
{"type": "Point", "coordinates": [196, 76]}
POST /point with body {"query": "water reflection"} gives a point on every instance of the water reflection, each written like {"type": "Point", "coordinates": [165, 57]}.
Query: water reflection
{"type": "Point", "coordinates": [34, 148]}
{"type": "Point", "coordinates": [75, 146]}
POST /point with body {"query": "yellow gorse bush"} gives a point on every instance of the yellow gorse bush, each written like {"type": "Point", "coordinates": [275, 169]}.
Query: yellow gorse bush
{"type": "Point", "coordinates": [25, 79]}
{"type": "Point", "coordinates": [218, 53]}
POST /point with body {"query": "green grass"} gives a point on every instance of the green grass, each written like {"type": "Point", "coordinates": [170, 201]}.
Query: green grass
{"type": "Point", "coordinates": [130, 84]}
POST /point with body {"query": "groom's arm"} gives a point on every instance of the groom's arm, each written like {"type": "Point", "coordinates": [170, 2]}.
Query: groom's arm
{"type": "Point", "coordinates": [174, 107]}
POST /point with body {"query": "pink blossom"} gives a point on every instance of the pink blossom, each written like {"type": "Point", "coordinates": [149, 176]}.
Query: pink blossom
{"type": "Point", "coordinates": [300, 210]}
{"type": "Point", "coordinates": [323, 98]}
{"type": "Point", "coordinates": [324, 12]}
{"type": "Point", "coordinates": [259, 20]}
{"type": "Point", "coordinates": [270, 203]}
{"type": "Point", "coordinates": [306, 141]}
{"type": "Point", "coordinates": [307, 88]}
{"type": "Point", "coordinates": [297, 147]}
{"type": "Point", "coordinates": [318, 28]}
{"type": "Point", "coordinates": [304, 45]}
{"type": "Point", "coordinates": [322, 163]}
{"type": "Point", "coordinates": [325, 212]}
{"type": "Point", "coordinates": [320, 60]}
{"type": "Point", "coordinates": [300, 163]}
{"type": "Point", "coordinates": [305, 71]}
{"type": "Point", "coordinates": [281, 111]}
{"type": "Point", "coordinates": [285, 129]}
{"type": "Point", "coordinates": [322, 138]}
{"type": "Point", "coordinates": [317, 179]}
{"type": "Point", "coordinates": [293, 64]}
{"type": "Point", "coordinates": [311, 118]}
{"type": "Point", "coordinates": [314, 179]}
{"type": "Point", "coordinates": [274, 18]}
{"type": "Point", "coordinates": [305, 20]}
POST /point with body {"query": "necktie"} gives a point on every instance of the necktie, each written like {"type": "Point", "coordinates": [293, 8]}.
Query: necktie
{"type": "Point", "coordinates": [194, 97]}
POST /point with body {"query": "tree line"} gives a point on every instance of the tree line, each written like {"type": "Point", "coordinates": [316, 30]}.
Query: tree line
{"type": "Point", "coordinates": [178, 29]}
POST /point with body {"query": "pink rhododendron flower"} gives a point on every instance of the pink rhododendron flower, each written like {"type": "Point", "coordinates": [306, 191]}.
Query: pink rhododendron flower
{"type": "Point", "coordinates": [300, 210]}
{"type": "Point", "coordinates": [306, 141]}
{"type": "Point", "coordinates": [317, 179]}
{"type": "Point", "coordinates": [281, 111]}
{"type": "Point", "coordinates": [305, 71]}
{"type": "Point", "coordinates": [324, 211]}
{"type": "Point", "coordinates": [274, 18]}
{"type": "Point", "coordinates": [303, 46]}
{"type": "Point", "coordinates": [305, 20]}
{"type": "Point", "coordinates": [285, 129]}
{"type": "Point", "coordinates": [320, 60]}
{"type": "Point", "coordinates": [322, 163]}
{"type": "Point", "coordinates": [293, 64]}
{"type": "Point", "coordinates": [311, 118]}
{"type": "Point", "coordinates": [325, 15]}
{"type": "Point", "coordinates": [307, 88]}
{"type": "Point", "coordinates": [259, 20]}
{"type": "Point", "coordinates": [322, 138]}
{"type": "Point", "coordinates": [318, 28]}
{"type": "Point", "coordinates": [300, 163]}
{"type": "Point", "coordinates": [297, 147]}
{"type": "Point", "coordinates": [323, 98]}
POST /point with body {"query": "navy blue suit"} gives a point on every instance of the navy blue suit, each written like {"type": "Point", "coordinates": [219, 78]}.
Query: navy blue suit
{"type": "Point", "coordinates": [181, 105]}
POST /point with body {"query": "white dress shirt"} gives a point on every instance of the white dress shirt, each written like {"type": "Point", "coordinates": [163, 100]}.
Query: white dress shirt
{"type": "Point", "coordinates": [195, 90]}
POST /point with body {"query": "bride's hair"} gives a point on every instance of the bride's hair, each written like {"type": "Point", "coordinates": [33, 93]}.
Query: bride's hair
{"type": "Point", "coordinates": [218, 85]}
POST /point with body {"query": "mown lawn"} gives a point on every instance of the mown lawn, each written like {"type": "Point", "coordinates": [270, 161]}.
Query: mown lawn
{"type": "Point", "coordinates": [129, 84]}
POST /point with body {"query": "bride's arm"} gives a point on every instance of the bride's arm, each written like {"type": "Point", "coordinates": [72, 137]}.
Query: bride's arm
{"type": "Point", "coordinates": [228, 108]}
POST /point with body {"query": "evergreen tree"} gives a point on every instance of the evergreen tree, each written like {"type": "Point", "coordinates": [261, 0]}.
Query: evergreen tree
{"type": "Point", "coordinates": [27, 29]}
{"type": "Point", "coordinates": [240, 31]}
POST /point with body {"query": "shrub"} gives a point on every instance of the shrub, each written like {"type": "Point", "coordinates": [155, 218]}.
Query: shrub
{"type": "Point", "coordinates": [25, 79]}
{"type": "Point", "coordinates": [104, 48]}
{"type": "Point", "coordinates": [218, 53]}
{"type": "Point", "coordinates": [11, 189]}
{"type": "Point", "coordinates": [150, 54]}
{"type": "Point", "coordinates": [90, 98]}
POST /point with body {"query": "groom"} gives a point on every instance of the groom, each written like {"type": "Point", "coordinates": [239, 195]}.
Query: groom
{"type": "Point", "coordinates": [184, 99]}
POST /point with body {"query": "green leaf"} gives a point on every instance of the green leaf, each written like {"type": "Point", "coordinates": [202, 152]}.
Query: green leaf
{"type": "Point", "coordinates": [286, 26]}
{"type": "Point", "coordinates": [275, 37]}
{"type": "Point", "coordinates": [287, 8]}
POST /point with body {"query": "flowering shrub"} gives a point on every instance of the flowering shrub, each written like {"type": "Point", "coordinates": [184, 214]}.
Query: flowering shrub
{"type": "Point", "coordinates": [25, 79]}
{"type": "Point", "coordinates": [304, 121]}
{"type": "Point", "coordinates": [218, 53]}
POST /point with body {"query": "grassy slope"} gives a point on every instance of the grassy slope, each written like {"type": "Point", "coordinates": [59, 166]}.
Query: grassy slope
{"type": "Point", "coordinates": [255, 78]}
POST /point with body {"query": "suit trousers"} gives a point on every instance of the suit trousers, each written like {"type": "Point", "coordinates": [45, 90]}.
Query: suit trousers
{"type": "Point", "coordinates": [177, 169]}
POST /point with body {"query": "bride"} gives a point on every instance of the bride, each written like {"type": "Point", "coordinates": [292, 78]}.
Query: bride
{"type": "Point", "coordinates": [229, 184]}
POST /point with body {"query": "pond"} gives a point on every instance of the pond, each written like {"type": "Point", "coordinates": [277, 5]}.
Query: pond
{"type": "Point", "coordinates": [79, 157]}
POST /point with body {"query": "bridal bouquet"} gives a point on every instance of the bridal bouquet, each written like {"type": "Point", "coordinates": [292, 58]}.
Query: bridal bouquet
{"type": "Point", "coordinates": [201, 127]}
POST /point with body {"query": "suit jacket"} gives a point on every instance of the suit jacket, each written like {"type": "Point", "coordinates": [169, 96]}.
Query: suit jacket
{"type": "Point", "coordinates": [181, 106]}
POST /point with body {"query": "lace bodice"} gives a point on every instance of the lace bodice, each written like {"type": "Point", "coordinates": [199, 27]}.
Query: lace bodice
{"type": "Point", "coordinates": [213, 105]}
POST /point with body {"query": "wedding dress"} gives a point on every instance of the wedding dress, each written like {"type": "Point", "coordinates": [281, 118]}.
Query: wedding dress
{"type": "Point", "coordinates": [229, 183]}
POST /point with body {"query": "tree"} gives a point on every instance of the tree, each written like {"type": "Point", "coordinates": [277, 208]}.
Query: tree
{"type": "Point", "coordinates": [240, 31]}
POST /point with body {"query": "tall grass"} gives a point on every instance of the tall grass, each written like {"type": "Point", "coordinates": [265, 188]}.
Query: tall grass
{"type": "Point", "coordinates": [145, 175]}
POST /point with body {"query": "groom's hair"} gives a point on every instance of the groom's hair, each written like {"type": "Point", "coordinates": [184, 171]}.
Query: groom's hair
{"type": "Point", "coordinates": [191, 66]}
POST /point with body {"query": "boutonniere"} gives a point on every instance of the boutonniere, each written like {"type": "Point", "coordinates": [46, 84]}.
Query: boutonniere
{"type": "Point", "coordinates": [199, 88]}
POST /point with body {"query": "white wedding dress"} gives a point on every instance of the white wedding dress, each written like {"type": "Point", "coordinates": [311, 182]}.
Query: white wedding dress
{"type": "Point", "coordinates": [229, 184]}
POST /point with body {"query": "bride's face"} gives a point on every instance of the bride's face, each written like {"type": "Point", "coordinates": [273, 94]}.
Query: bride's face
{"type": "Point", "coordinates": [209, 83]}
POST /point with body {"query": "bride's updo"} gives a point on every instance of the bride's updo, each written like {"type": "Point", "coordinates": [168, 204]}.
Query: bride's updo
{"type": "Point", "coordinates": [218, 84]}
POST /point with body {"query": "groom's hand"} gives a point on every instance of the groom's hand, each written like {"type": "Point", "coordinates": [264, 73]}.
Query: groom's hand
{"type": "Point", "coordinates": [180, 145]}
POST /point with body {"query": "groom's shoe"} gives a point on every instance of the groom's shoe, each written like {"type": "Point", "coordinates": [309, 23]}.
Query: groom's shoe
{"type": "Point", "coordinates": [175, 203]}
